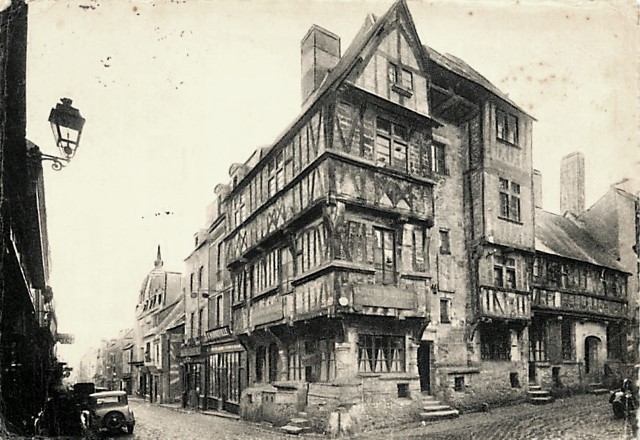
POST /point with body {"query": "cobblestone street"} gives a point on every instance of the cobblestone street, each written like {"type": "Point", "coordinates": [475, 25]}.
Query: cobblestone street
{"type": "Point", "coordinates": [577, 418]}
{"type": "Point", "coordinates": [158, 423]}
{"type": "Point", "coordinates": [584, 417]}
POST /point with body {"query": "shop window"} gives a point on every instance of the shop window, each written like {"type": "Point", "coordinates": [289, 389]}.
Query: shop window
{"type": "Point", "coordinates": [381, 354]}
{"type": "Point", "coordinates": [294, 360]}
{"type": "Point", "coordinates": [495, 342]}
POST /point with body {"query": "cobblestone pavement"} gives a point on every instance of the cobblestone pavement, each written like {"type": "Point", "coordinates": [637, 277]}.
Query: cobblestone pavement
{"type": "Point", "coordinates": [583, 417]}
{"type": "Point", "coordinates": [158, 423]}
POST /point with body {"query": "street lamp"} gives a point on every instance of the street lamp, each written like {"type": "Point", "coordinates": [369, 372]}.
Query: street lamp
{"type": "Point", "coordinates": [66, 125]}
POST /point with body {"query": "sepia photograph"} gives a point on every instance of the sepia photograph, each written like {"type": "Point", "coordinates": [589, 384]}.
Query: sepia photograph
{"type": "Point", "coordinates": [367, 219]}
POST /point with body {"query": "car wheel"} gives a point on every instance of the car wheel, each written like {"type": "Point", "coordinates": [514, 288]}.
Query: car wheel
{"type": "Point", "coordinates": [113, 420]}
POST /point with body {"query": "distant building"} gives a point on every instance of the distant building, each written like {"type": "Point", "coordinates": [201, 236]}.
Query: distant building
{"type": "Point", "coordinates": [160, 306]}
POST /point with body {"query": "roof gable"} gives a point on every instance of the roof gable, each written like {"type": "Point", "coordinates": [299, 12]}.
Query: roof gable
{"type": "Point", "coordinates": [394, 63]}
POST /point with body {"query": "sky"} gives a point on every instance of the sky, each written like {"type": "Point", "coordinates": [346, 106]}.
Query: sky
{"type": "Point", "coordinates": [176, 91]}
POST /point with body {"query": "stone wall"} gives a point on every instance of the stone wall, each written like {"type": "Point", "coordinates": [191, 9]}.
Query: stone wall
{"type": "Point", "coordinates": [490, 383]}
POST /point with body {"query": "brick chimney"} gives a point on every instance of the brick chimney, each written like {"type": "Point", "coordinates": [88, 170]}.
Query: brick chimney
{"type": "Point", "coordinates": [537, 188]}
{"type": "Point", "coordinates": [320, 52]}
{"type": "Point", "coordinates": [572, 183]}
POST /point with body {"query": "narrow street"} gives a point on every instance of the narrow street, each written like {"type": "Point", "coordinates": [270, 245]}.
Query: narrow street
{"type": "Point", "coordinates": [584, 417]}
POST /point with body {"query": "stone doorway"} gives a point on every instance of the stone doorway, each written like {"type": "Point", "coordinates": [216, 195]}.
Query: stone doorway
{"type": "Point", "coordinates": [425, 360]}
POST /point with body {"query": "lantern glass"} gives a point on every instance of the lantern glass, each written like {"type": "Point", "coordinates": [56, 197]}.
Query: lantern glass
{"type": "Point", "coordinates": [66, 125]}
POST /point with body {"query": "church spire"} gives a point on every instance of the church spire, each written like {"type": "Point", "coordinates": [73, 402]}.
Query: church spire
{"type": "Point", "coordinates": [158, 262]}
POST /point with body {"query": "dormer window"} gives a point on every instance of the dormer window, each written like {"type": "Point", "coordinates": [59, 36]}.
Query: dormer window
{"type": "Point", "coordinates": [401, 80]}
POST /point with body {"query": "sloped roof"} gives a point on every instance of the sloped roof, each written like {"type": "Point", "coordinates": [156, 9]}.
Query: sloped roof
{"type": "Point", "coordinates": [174, 317]}
{"type": "Point", "coordinates": [558, 235]}
{"type": "Point", "coordinates": [461, 68]}
{"type": "Point", "coordinates": [351, 58]}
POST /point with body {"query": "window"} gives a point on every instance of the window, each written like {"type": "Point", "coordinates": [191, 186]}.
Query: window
{"type": "Point", "coordinates": [419, 249]}
{"type": "Point", "coordinates": [219, 310]}
{"type": "Point", "coordinates": [311, 247]}
{"type": "Point", "coordinates": [458, 383]}
{"type": "Point", "coordinates": [219, 259]}
{"type": "Point", "coordinates": [567, 339]}
{"type": "Point", "coordinates": [400, 78]}
{"type": "Point", "coordinates": [514, 380]}
{"type": "Point", "coordinates": [445, 246]}
{"type": "Point", "coordinates": [273, 362]}
{"type": "Point", "coordinates": [391, 144]}
{"type": "Point", "coordinates": [444, 311]}
{"type": "Point", "coordinates": [191, 279]}
{"type": "Point", "coordinates": [509, 200]}
{"type": "Point", "coordinates": [200, 274]}
{"type": "Point", "coordinates": [495, 342]}
{"type": "Point", "coordinates": [200, 313]}
{"type": "Point", "coordinates": [506, 127]}
{"type": "Point", "coordinates": [439, 159]}
{"type": "Point", "coordinates": [261, 354]}
{"type": "Point", "coordinates": [384, 256]}
{"type": "Point", "coordinates": [538, 341]}
{"type": "Point", "coordinates": [381, 354]}
{"type": "Point", "coordinates": [275, 174]}
{"type": "Point", "coordinates": [265, 273]}
{"type": "Point", "coordinates": [504, 271]}
{"type": "Point", "coordinates": [147, 352]}
{"type": "Point", "coordinates": [192, 322]}
{"type": "Point", "coordinates": [294, 359]}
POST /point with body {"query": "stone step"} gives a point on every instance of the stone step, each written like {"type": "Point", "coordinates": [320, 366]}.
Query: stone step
{"type": "Point", "coordinates": [538, 393]}
{"type": "Point", "coordinates": [294, 430]}
{"type": "Point", "coordinates": [437, 415]}
{"type": "Point", "coordinates": [599, 391]}
{"type": "Point", "coordinates": [299, 422]}
{"type": "Point", "coordinates": [302, 415]}
{"type": "Point", "coordinates": [436, 407]}
{"type": "Point", "coordinates": [541, 400]}
{"type": "Point", "coordinates": [534, 387]}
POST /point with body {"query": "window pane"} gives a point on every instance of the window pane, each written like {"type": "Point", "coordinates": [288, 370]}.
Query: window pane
{"type": "Point", "coordinates": [392, 72]}
{"type": "Point", "coordinates": [401, 133]}
{"type": "Point", "coordinates": [504, 185]}
{"type": "Point", "coordinates": [504, 205]}
{"type": "Point", "coordinates": [383, 126]}
{"type": "Point", "coordinates": [400, 156]}
{"type": "Point", "coordinates": [383, 146]}
{"type": "Point", "coordinates": [407, 80]}
{"type": "Point", "coordinates": [498, 277]}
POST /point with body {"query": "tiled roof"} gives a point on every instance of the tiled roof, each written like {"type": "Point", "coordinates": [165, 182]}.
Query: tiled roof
{"type": "Point", "coordinates": [561, 236]}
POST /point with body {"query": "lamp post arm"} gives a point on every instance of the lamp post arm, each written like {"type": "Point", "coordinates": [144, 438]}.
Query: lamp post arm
{"type": "Point", "coordinates": [58, 163]}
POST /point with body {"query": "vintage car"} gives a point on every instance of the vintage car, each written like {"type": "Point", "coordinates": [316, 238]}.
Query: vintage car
{"type": "Point", "coordinates": [108, 411]}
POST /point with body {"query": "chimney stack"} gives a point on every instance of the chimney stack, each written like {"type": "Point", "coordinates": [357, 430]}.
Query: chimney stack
{"type": "Point", "coordinates": [572, 184]}
{"type": "Point", "coordinates": [537, 188]}
{"type": "Point", "coordinates": [320, 52]}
